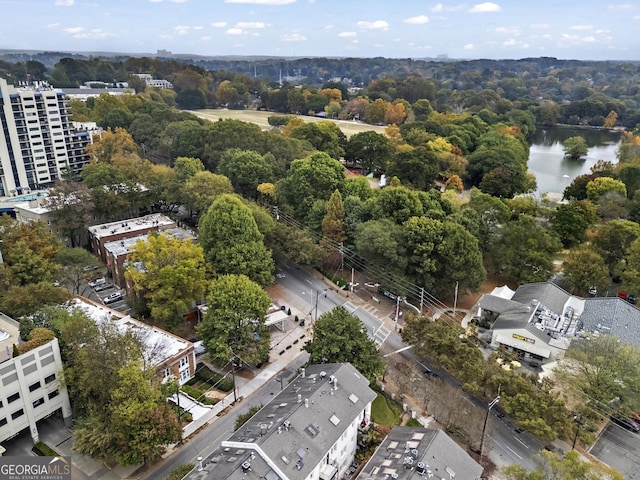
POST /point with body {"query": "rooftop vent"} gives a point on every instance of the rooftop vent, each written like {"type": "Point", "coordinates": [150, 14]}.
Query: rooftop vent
{"type": "Point", "coordinates": [246, 466]}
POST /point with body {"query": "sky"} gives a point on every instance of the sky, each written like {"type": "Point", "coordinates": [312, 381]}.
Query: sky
{"type": "Point", "coordinates": [566, 29]}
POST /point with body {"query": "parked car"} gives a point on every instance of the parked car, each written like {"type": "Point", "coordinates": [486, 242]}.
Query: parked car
{"type": "Point", "coordinates": [112, 298]}
{"type": "Point", "coordinates": [632, 299]}
{"type": "Point", "coordinates": [103, 286]}
{"type": "Point", "coordinates": [97, 281]}
{"type": "Point", "coordinates": [622, 294]}
{"type": "Point", "coordinates": [626, 423]}
{"type": "Point", "coordinates": [430, 374]}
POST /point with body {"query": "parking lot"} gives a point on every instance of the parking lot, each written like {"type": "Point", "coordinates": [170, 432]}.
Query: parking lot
{"type": "Point", "coordinates": [102, 291]}
{"type": "Point", "coordinates": [620, 449]}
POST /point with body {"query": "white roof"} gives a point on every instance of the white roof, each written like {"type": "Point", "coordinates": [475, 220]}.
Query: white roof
{"type": "Point", "coordinates": [159, 344]}
{"type": "Point", "coordinates": [131, 225]}
{"type": "Point", "coordinates": [123, 246]}
{"type": "Point", "coordinates": [503, 292]}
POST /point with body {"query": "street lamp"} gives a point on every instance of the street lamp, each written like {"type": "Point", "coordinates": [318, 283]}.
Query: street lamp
{"type": "Point", "coordinates": [486, 420]}
{"type": "Point", "coordinates": [580, 421]}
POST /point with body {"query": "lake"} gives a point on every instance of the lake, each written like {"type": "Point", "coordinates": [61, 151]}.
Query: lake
{"type": "Point", "coordinates": [546, 157]}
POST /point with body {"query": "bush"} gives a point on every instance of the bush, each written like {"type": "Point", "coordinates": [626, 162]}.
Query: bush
{"type": "Point", "coordinates": [215, 380]}
{"type": "Point", "coordinates": [244, 417]}
{"type": "Point", "coordinates": [197, 395]}
{"type": "Point", "coordinates": [44, 450]}
{"type": "Point", "coordinates": [178, 473]}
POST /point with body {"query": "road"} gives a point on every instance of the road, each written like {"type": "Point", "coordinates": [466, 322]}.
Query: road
{"type": "Point", "coordinates": [619, 448]}
{"type": "Point", "coordinates": [503, 446]}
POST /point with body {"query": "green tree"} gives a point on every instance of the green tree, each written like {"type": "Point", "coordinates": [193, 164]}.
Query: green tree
{"type": "Point", "coordinates": [585, 268]}
{"type": "Point", "coordinates": [524, 251]}
{"type": "Point", "coordinates": [200, 190]}
{"type": "Point", "coordinates": [558, 467]}
{"type": "Point", "coordinates": [571, 220]}
{"type": "Point", "coordinates": [396, 203]}
{"type": "Point", "coordinates": [77, 268]}
{"type": "Point", "coordinates": [172, 276]}
{"type": "Point", "coordinates": [380, 242]}
{"type": "Point", "coordinates": [417, 167]}
{"type": "Point", "coordinates": [233, 327]}
{"type": "Point", "coordinates": [70, 207]}
{"type": "Point", "coordinates": [333, 222]}
{"type": "Point", "coordinates": [338, 337]}
{"type": "Point", "coordinates": [599, 187]}
{"type": "Point", "coordinates": [631, 274]}
{"type": "Point", "coordinates": [232, 242]}
{"type": "Point", "coordinates": [575, 148]}
{"type": "Point", "coordinates": [370, 150]}
{"type": "Point", "coordinates": [322, 139]}
{"type": "Point", "coordinates": [246, 170]}
{"type": "Point", "coordinates": [613, 240]}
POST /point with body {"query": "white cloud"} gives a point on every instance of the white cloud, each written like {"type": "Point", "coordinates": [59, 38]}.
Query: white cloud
{"type": "Point", "coordinates": [485, 7]}
{"type": "Point", "coordinates": [620, 8]}
{"type": "Point", "coordinates": [438, 7]}
{"type": "Point", "coordinates": [64, 3]}
{"type": "Point", "coordinates": [83, 34]}
{"type": "Point", "coordinates": [53, 25]}
{"type": "Point", "coordinates": [293, 37]}
{"type": "Point", "coordinates": [182, 29]}
{"type": "Point", "coordinates": [540, 26]}
{"type": "Point", "coordinates": [347, 34]}
{"type": "Point", "coordinates": [419, 20]}
{"type": "Point", "coordinates": [73, 30]}
{"type": "Point", "coordinates": [198, 27]}
{"type": "Point", "coordinates": [508, 30]}
{"type": "Point", "coordinates": [251, 25]}
{"type": "Point", "coordinates": [205, 38]}
{"type": "Point", "coordinates": [329, 27]}
{"type": "Point", "coordinates": [577, 40]}
{"type": "Point", "coordinates": [581, 27]}
{"type": "Point", "coordinates": [469, 46]}
{"type": "Point", "coordinates": [377, 25]}
{"type": "Point", "coordinates": [262, 2]}
{"type": "Point", "coordinates": [219, 24]}
{"type": "Point", "coordinates": [236, 31]}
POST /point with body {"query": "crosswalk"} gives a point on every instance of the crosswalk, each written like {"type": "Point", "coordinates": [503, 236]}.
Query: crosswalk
{"type": "Point", "coordinates": [380, 335]}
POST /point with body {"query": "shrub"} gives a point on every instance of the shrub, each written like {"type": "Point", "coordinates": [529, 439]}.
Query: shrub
{"type": "Point", "coordinates": [244, 417]}
{"type": "Point", "coordinates": [44, 450]}
{"type": "Point", "coordinates": [213, 379]}
{"type": "Point", "coordinates": [197, 395]}
{"type": "Point", "coordinates": [178, 473]}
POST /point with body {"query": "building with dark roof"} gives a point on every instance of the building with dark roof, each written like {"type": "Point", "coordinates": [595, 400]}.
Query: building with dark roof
{"type": "Point", "coordinates": [307, 432]}
{"type": "Point", "coordinates": [413, 453]}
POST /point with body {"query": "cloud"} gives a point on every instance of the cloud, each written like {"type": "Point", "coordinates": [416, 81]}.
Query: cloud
{"type": "Point", "coordinates": [377, 25]}
{"type": "Point", "coordinates": [293, 37]}
{"type": "Point", "coordinates": [419, 20]}
{"type": "Point", "coordinates": [347, 34]}
{"type": "Point", "coordinates": [540, 26]}
{"type": "Point", "coordinates": [581, 27]}
{"type": "Point", "coordinates": [74, 30]}
{"type": "Point", "coordinates": [507, 30]}
{"type": "Point", "coordinates": [469, 46]}
{"type": "Point", "coordinates": [251, 25]}
{"type": "Point", "coordinates": [83, 34]}
{"type": "Point", "coordinates": [64, 3]}
{"type": "Point", "coordinates": [485, 7]}
{"type": "Point", "coordinates": [53, 25]}
{"type": "Point", "coordinates": [620, 8]}
{"type": "Point", "coordinates": [438, 8]}
{"type": "Point", "coordinates": [181, 29]}
{"type": "Point", "coordinates": [262, 2]}
{"type": "Point", "coordinates": [576, 39]}
{"type": "Point", "coordinates": [236, 31]}
{"type": "Point", "coordinates": [219, 24]}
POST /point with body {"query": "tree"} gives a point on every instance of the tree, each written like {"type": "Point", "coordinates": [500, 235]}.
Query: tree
{"type": "Point", "coordinates": [613, 240]}
{"type": "Point", "coordinates": [524, 251]}
{"type": "Point", "coordinates": [333, 223]}
{"type": "Point", "coordinates": [417, 167]}
{"type": "Point", "coordinates": [20, 300]}
{"type": "Point", "coordinates": [575, 148]}
{"type": "Point", "coordinates": [200, 190]}
{"type": "Point", "coordinates": [338, 337]}
{"type": "Point", "coordinates": [380, 242]}
{"type": "Point", "coordinates": [585, 268]}
{"type": "Point", "coordinates": [232, 242]}
{"type": "Point", "coordinates": [571, 220]}
{"type": "Point", "coordinates": [631, 274]}
{"type": "Point", "coordinates": [171, 278]}
{"type": "Point", "coordinates": [246, 170]}
{"type": "Point", "coordinates": [74, 273]}
{"type": "Point", "coordinates": [600, 186]}
{"type": "Point", "coordinates": [604, 368]}
{"type": "Point", "coordinates": [70, 207]}
{"type": "Point", "coordinates": [370, 150]}
{"type": "Point", "coordinates": [569, 466]}
{"type": "Point", "coordinates": [324, 139]}
{"type": "Point", "coordinates": [233, 328]}
{"type": "Point", "coordinates": [611, 120]}
{"type": "Point", "coordinates": [111, 143]}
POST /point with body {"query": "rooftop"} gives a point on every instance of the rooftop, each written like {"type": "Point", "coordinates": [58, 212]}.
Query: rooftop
{"type": "Point", "coordinates": [296, 430]}
{"type": "Point", "coordinates": [159, 344]}
{"type": "Point", "coordinates": [548, 294]}
{"type": "Point", "coordinates": [123, 246]}
{"type": "Point", "coordinates": [9, 335]}
{"type": "Point", "coordinates": [413, 453]}
{"type": "Point", "coordinates": [131, 225]}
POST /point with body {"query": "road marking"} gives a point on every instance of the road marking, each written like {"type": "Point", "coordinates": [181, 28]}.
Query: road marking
{"type": "Point", "coordinates": [350, 307]}
{"type": "Point", "coordinates": [505, 448]}
{"type": "Point", "coordinates": [517, 439]}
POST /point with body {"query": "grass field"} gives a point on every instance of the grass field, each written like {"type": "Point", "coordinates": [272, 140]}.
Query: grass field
{"type": "Point", "coordinates": [348, 127]}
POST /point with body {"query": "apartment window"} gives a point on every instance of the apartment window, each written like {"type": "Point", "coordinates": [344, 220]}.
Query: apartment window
{"type": "Point", "coordinates": [184, 375]}
{"type": "Point", "coordinates": [13, 398]}
{"type": "Point", "coordinates": [53, 394]}
{"type": "Point", "coordinates": [3, 421]}
{"type": "Point", "coordinates": [17, 413]}
{"type": "Point", "coordinates": [38, 402]}
{"type": "Point", "coordinates": [184, 361]}
{"type": "Point", "coordinates": [50, 378]}
{"type": "Point", "coordinates": [34, 386]}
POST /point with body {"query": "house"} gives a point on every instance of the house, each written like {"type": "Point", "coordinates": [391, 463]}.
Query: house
{"type": "Point", "coordinates": [134, 227]}
{"type": "Point", "coordinates": [307, 432]}
{"type": "Point", "coordinates": [169, 354]}
{"type": "Point", "coordinates": [32, 384]}
{"type": "Point", "coordinates": [539, 320]}
{"type": "Point", "coordinates": [413, 453]}
{"type": "Point", "coordinates": [117, 252]}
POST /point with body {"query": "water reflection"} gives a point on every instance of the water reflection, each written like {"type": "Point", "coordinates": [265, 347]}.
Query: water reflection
{"type": "Point", "coordinates": [546, 158]}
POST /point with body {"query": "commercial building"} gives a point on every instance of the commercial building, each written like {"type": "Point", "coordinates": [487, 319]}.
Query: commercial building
{"type": "Point", "coordinates": [413, 453]}
{"type": "Point", "coordinates": [32, 387]}
{"type": "Point", "coordinates": [155, 83]}
{"type": "Point", "coordinates": [169, 354]}
{"type": "Point", "coordinates": [38, 141]}
{"type": "Point", "coordinates": [307, 432]}
{"type": "Point", "coordinates": [99, 235]}
{"type": "Point", "coordinates": [539, 320]}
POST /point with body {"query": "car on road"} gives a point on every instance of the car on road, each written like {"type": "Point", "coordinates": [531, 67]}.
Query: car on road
{"type": "Point", "coordinates": [626, 423]}
{"type": "Point", "coordinates": [97, 281]}
{"type": "Point", "coordinates": [430, 374]}
{"type": "Point", "coordinates": [112, 298]}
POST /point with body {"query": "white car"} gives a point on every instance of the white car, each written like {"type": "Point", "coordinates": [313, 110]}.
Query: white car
{"type": "Point", "coordinates": [98, 281]}
{"type": "Point", "coordinates": [113, 297]}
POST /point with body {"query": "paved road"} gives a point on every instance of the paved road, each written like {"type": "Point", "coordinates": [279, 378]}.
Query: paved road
{"type": "Point", "coordinates": [619, 448]}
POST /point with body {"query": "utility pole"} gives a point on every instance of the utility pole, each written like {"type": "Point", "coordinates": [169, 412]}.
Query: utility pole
{"type": "Point", "coordinates": [455, 300]}
{"type": "Point", "coordinates": [578, 419]}
{"type": "Point", "coordinates": [397, 312]}
{"type": "Point", "coordinates": [486, 420]}
{"type": "Point", "coordinates": [421, 299]}
{"type": "Point", "coordinates": [341, 257]}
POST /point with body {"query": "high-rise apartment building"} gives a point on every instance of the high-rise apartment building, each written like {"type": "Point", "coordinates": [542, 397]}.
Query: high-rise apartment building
{"type": "Point", "coordinates": [38, 141]}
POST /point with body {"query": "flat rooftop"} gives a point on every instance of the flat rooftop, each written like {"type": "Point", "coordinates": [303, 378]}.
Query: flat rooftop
{"type": "Point", "coordinates": [123, 246]}
{"type": "Point", "coordinates": [131, 225]}
{"type": "Point", "coordinates": [9, 335]}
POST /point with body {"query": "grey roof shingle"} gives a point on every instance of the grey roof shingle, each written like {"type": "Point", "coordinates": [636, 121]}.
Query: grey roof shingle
{"type": "Point", "coordinates": [497, 304]}
{"type": "Point", "coordinates": [612, 315]}
{"type": "Point", "coordinates": [548, 294]}
{"type": "Point", "coordinates": [406, 447]}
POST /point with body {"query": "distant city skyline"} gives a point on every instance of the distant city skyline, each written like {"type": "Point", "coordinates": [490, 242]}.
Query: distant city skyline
{"type": "Point", "coordinates": [508, 29]}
